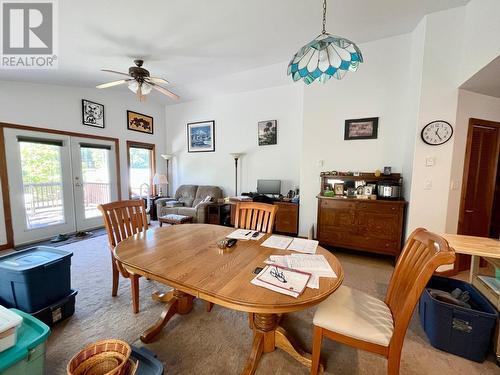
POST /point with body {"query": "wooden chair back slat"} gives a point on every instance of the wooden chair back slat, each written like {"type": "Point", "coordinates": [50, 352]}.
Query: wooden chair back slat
{"type": "Point", "coordinates": [123, 219]}
{"type": "Point", "coordinates": [255, 216]}
{"type": "Point", "coordinates": [423, 253]}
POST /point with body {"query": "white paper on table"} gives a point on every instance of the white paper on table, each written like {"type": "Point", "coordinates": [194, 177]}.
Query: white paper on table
{"type": "Point", "coordinates": [277, 242]}
{"type": "Point", "coordinates": [313, 282]}
{"type": "Point", "coordinates": [242, 234]}
{"type": "Point", "coordinates": [256, 238]}
{"type": "Point", "coordinates": [273, 288]}
{"type": "Point", "coordinates": [265, 280]}
{"type": "Point", "coordinates": [303, 246]}
{"type": "Point", "coordinates": [282, 260]}
{"type": "Point", "coordinates": [315, 264]}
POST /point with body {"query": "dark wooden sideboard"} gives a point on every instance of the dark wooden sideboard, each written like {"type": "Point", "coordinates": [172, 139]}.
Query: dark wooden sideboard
{"type": "Point", "coordinates": [368, 225]}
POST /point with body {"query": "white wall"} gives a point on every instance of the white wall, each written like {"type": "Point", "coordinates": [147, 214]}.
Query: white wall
{"type": "Point", "coordinates": [458, 43]}
{"type": "Point", "coordinates": [470, 105]}
{"type": "Point", "coordinates": [236, 117]}
{"type": "Point", "coordinates": [438, 101]}
{"type": "Point", "coordinates": [59, 107]}
{"type": "Point", "coordinates": [378, 89]}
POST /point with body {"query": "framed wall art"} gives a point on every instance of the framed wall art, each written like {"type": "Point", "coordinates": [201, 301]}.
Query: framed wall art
{"type": "Point", "coordinates": [92, 114]}
{"type": "Point", "coordinates": [363, 128]}
{"type": "Point", "coordinates": [139, 122]}
{"type": "Point", "coordinates": [201, 136]}
{"type": "Point", "coordinates": [268, 132]}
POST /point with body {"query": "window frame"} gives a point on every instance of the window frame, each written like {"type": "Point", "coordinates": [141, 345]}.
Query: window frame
{"type": "Point", "coordinates": [152, 149]}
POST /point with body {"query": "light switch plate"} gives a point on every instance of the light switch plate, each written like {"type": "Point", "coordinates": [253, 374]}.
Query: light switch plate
{"type": "Point", "coordinates": [428, 185]}
{"type": "Point", "coordinates": [430, 161]}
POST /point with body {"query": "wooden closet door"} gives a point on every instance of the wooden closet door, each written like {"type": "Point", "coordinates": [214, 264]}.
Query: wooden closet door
{"type": "Point", "coordinates": [479, 182]}
{"type": "Point", "coordinates": [480, 169]}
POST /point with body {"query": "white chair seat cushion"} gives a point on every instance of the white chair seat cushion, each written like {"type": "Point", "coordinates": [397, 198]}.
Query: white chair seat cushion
{"type": "Point", "coordinates": [356, 314]}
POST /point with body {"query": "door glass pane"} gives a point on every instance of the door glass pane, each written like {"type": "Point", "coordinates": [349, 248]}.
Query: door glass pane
{"type": "Point", "coordinates": [42, 184]}
{"type": "Point", "coordinates": [95, 179]}
{"type": "Point", "coordinates": [140, 170]}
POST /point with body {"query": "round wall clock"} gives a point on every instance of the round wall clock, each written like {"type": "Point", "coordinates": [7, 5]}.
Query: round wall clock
{"type": "Point", "coordinates": [436, 133]}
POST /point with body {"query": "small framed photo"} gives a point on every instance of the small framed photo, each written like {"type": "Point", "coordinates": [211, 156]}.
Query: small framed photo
{"type": "Point", "coordinates": [201, 136]}
{"type": "Point", "coordinates": [363, 128]}
{"type": "Point", "coordinates": [92, 114]}
{"type": "Point", "coordinates": [268, 132]}
{"type": "Point", "coordinates": [338, 189]}
{"type": "Point", "coordinates": [367, 190]}
{"type": "Point", "coordinates": [139, 122]}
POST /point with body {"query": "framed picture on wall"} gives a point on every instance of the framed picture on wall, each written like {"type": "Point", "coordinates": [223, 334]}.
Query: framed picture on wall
{"type": "Point", "coordinates": [268, 132]}
{"type": "Point", "coordinates": [139, 122]}
{"type": "Point", "coordinates": [363, 128]}
{"type": "Point", "coordinates": [201, 136]}
{"type": "Point", "coordinates": [92, 114]}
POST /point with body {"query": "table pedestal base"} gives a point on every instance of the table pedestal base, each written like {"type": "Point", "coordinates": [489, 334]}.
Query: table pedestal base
{"type": "Point", "coordinates": [178, 303]}
{"type": "Point", "coordinates": [268, 336]}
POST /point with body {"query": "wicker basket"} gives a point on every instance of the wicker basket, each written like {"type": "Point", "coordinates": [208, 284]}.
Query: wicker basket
{"type": "Point", "coordinates": [105, 357]}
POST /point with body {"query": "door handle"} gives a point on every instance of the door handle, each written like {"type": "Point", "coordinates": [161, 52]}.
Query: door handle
{"type": "Point", "coordinates": [469, 211]}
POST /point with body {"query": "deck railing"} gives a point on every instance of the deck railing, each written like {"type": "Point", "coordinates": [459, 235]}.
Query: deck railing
{"type": "Point", "coordinates": [50, 195]}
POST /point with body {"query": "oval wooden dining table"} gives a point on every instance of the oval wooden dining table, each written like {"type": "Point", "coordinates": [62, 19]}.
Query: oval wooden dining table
{"type": "Point", "coordinates": [186, 258]}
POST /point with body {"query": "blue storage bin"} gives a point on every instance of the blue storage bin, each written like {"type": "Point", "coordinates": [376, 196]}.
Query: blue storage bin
{"type": "Point", "coordinates": [27, 357]}
{"type": "Point", "coordinates": [454, 329]}
{"type": "Point", "coordinates": [34, 278]}
{"type": "Point", "coordinates": [148, 364]}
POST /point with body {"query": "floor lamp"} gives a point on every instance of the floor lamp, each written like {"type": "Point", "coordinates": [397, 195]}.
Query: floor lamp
{"type": "Point", "coordinates": [236, 156]}
{"type": "Point", "coordinates": [167, 158]}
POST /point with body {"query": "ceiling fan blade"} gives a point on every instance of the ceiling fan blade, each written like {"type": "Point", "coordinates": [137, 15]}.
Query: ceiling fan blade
{"type": "Point", "coordinates": [114, 71]}
{"type": "Point", "coordinates": [158, 80]}
{"type": "Point", "coordinates": [164, 91]}
{"type": "Point", "coordinates": [111, 84]}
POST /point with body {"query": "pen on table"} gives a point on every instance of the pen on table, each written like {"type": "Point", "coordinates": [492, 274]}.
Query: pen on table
{"type": "Point", "coordinates": [248, 233]}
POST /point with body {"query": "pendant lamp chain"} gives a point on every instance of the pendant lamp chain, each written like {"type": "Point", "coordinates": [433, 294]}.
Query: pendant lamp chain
{"type": "Point", "coordinates": [324, 17]}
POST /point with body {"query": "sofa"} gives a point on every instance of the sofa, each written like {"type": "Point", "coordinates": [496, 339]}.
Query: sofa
{"type": "Point", "coordinates": [189, 200]}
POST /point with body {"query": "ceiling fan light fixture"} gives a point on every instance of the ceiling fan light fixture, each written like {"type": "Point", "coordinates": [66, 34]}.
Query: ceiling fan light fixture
{"type": "Point", "coordinates": [146, 88]}
{"type": "Point", "coordinates": [133, 86]}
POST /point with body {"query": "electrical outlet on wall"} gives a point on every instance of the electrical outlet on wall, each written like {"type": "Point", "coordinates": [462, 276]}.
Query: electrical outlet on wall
{"type": "Point", "coordinates": [428, 185]}
{"type": "Point", "coordinates": [430, 161]}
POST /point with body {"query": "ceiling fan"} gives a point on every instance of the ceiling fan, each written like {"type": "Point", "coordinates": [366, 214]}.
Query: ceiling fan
{"type": "Point", "coordinates": [139, 81]}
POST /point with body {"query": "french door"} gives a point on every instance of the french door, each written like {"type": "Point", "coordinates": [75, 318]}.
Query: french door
{"type": "Point", "coordinates": [56, 182]}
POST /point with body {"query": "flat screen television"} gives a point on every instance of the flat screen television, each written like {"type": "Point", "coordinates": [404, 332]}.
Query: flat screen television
{"type": "Point", "coordinates": [269, 187]}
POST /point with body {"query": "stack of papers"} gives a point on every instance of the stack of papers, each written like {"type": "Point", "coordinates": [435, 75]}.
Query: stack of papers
{"type": "Point", "coordinates": [316, 265]}
{"type": "Point", "coordinates": [282, 280]}
{"type": "Point", "coordinates": [300, 245]}
{"type": "Point", "coordinates": [245, 234]}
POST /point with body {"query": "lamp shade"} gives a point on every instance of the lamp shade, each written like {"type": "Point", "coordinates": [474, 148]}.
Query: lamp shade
{"type": "Point", "coordinates": [236, 155]}
{"type": "Point", "coordinates": [160, 179]}
{"type": "Point", "coordinates": [166, 156]}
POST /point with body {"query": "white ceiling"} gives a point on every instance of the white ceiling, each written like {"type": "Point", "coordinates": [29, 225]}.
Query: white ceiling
{"type": "Point", "coordinates": [486, 81]}
{"type": "Point", "coordinates": [190, 41]}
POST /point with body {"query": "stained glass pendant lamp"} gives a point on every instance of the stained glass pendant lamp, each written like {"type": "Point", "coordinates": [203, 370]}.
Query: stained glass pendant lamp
{"type": "Point", "coordinates": [325, 57]}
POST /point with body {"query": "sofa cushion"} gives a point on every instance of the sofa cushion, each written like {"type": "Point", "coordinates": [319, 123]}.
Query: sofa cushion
{"type": "Point", "coordinates": [187, 211]}
{"type": "Point", "coordinates": [186, 194]}
{"type": "Point", "coordinates": [214, 192]}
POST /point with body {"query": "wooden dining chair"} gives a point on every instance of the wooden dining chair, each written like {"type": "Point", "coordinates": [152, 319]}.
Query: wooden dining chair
{"type": "Point", "coordinates": [123, 219]}
{"type": "Point", "coordinates": [357, 319]}
{"type": "Point", "coordinates": [255, 216]}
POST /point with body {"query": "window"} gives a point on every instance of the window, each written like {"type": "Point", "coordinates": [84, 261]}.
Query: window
{"type": "Point", "coordinates": [141, 168]}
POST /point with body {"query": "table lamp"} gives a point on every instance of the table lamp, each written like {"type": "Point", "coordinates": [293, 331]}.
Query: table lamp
{"type": "Point", "coordinates": [160, 179]}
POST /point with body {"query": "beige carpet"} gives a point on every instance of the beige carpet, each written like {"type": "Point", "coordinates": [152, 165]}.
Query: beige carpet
{"type": "Point", "coordinates": [219, 342]}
